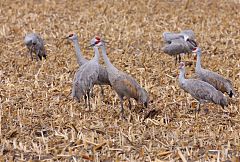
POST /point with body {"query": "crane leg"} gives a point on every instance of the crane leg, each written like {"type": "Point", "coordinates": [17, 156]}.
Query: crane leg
{"type": "Point", "coordinates": [85, 99]}
{"type": "Point", "coordinates": [44, 54]}
{"type": "Point", "coordinates": [39, 55]}
{"type": "Point", "coordinates": [197, 110]}
{"type": "Point", "coordinates": [30, 52]}
{"type": "Point", "coordinates": [88, 99]}
{"type": "Point", "coordinates": [129, 104]}
{"type": "Point", "coordinates": [122, 110]}
{"type": "Point", "coordinates": [102, 92]}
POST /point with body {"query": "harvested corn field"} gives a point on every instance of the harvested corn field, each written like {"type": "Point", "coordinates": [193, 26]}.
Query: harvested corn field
{"type": "Point", "coordinates": [41, 122]}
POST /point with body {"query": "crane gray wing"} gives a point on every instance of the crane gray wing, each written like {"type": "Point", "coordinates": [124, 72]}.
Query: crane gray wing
{"type": "Point", "coordinates": [200, 90]}
{"type": "Point", "coordinates": [125, 85]}
{"type": "Point", "coordinates": [177, 46]}
{"type": "Point", "coordinates": [85, 78]}
{"type": "Point", "coordinates": [216, 80]}
{"type": "Point", "coordinates": [103, 76]}
{"type": "Point", "coordinates": [168, 36]}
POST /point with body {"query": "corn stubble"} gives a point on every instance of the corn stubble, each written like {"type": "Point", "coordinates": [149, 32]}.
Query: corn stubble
{"type": "Point", "coordinates": [39, 121]}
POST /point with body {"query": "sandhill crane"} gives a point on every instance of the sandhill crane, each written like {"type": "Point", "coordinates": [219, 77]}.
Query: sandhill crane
{"type": "Point", "coordinates": [200, 90]}
{"type": "Point", "coordinates": [123, 84]}
{"type": "Point", "coordinates": [216, 80]}
{"type": "Point", "coordinates": [35, 44]}
{"type": "Point", "coordinates": [103, 76]}
{"type": "Point", "coordinates": [177, 43]}
{"type": "Point", "coordinates": [85, 77]}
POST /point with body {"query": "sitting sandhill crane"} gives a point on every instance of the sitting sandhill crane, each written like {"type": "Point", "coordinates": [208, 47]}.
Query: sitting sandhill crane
{"type": "Point", "coordinates": [86, 77]}
{"type": "Point", "coordinates": [200, 90]}
{"type": "Point", "coordinates": [123, 84]}
{"type": "Point", "coordinates": [35, 44]}
{"type": "Point", "coordinates": [216, 80]}
{"type": "Point", "coordinates": [103, 76]}
{"type": "Point", "coordinates": [177, 43]}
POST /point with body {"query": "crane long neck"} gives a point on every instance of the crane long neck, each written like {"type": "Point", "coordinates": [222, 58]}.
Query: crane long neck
{"type": "Point", "coordinates": [181, 75]}
{"type": "Point", "coordinates": [80, 59]}
{"type": "Point", "coordinates": [106, 59]}
{"type": "Point", "coordinates": [198, 64]}
{"type": "Point", "coordinates": [96, 54]}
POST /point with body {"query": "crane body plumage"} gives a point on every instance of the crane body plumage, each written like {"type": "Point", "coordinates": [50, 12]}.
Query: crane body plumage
{"type": "Point", "coordinates": [85, 78]}
{"type": "Point", "coordinates": [123, 84]}
{"type": "Point", "coordinates": [200, 90]}
{"type": "Point", "coordinates": [216, 80]}
{"type": "Point", "coordinates": [35, 44]}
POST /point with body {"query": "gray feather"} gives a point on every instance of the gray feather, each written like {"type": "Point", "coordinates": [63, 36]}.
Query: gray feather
{"type": "Point", "coordinates": [85, 78]}
{"type": "Point", "coordinates": [177, 46]}
{"type": "Point", "coordinates": [216, 80]}
{"type": "Point", "coordinates": [203, 92]}
{"type": "Point", "coordinates": [200, 90]}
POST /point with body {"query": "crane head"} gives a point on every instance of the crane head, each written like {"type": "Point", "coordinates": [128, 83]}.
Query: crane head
{"type": "Point", "coordinates": [71, 36]}
{"type": "Point", "coordinates": [96, 41]}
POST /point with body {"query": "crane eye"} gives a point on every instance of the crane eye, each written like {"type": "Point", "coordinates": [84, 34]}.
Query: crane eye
{"type": "Point", "coordinates": [98, 41]}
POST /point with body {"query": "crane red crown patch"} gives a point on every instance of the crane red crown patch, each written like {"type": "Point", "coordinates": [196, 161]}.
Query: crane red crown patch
{"type": "Point", "coordinates": [98, 38]}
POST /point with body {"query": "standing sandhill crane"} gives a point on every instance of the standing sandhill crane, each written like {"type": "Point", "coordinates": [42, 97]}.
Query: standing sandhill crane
{"type": "Point", "coordinates": [86, 77]}
{"type": "Point", "coordinates": [103, 76]}
{"type": "Point", "coordinates": [35, 44]}
{"type": "Point", "coordinates": [177, 43]}
{"type": "Point", "coordinates": [216, 80]}
{"type": "Point", "coordinates": [200, 90]}
{"type": "Point", "coordinates": [123, 84]}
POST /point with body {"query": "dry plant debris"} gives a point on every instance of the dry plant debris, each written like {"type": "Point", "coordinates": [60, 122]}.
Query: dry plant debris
{"type": "Point", "coordinates": [39, 121]}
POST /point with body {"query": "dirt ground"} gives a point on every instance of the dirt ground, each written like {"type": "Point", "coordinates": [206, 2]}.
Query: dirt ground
{"type": "Point", "coordinates": [39, 120]}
